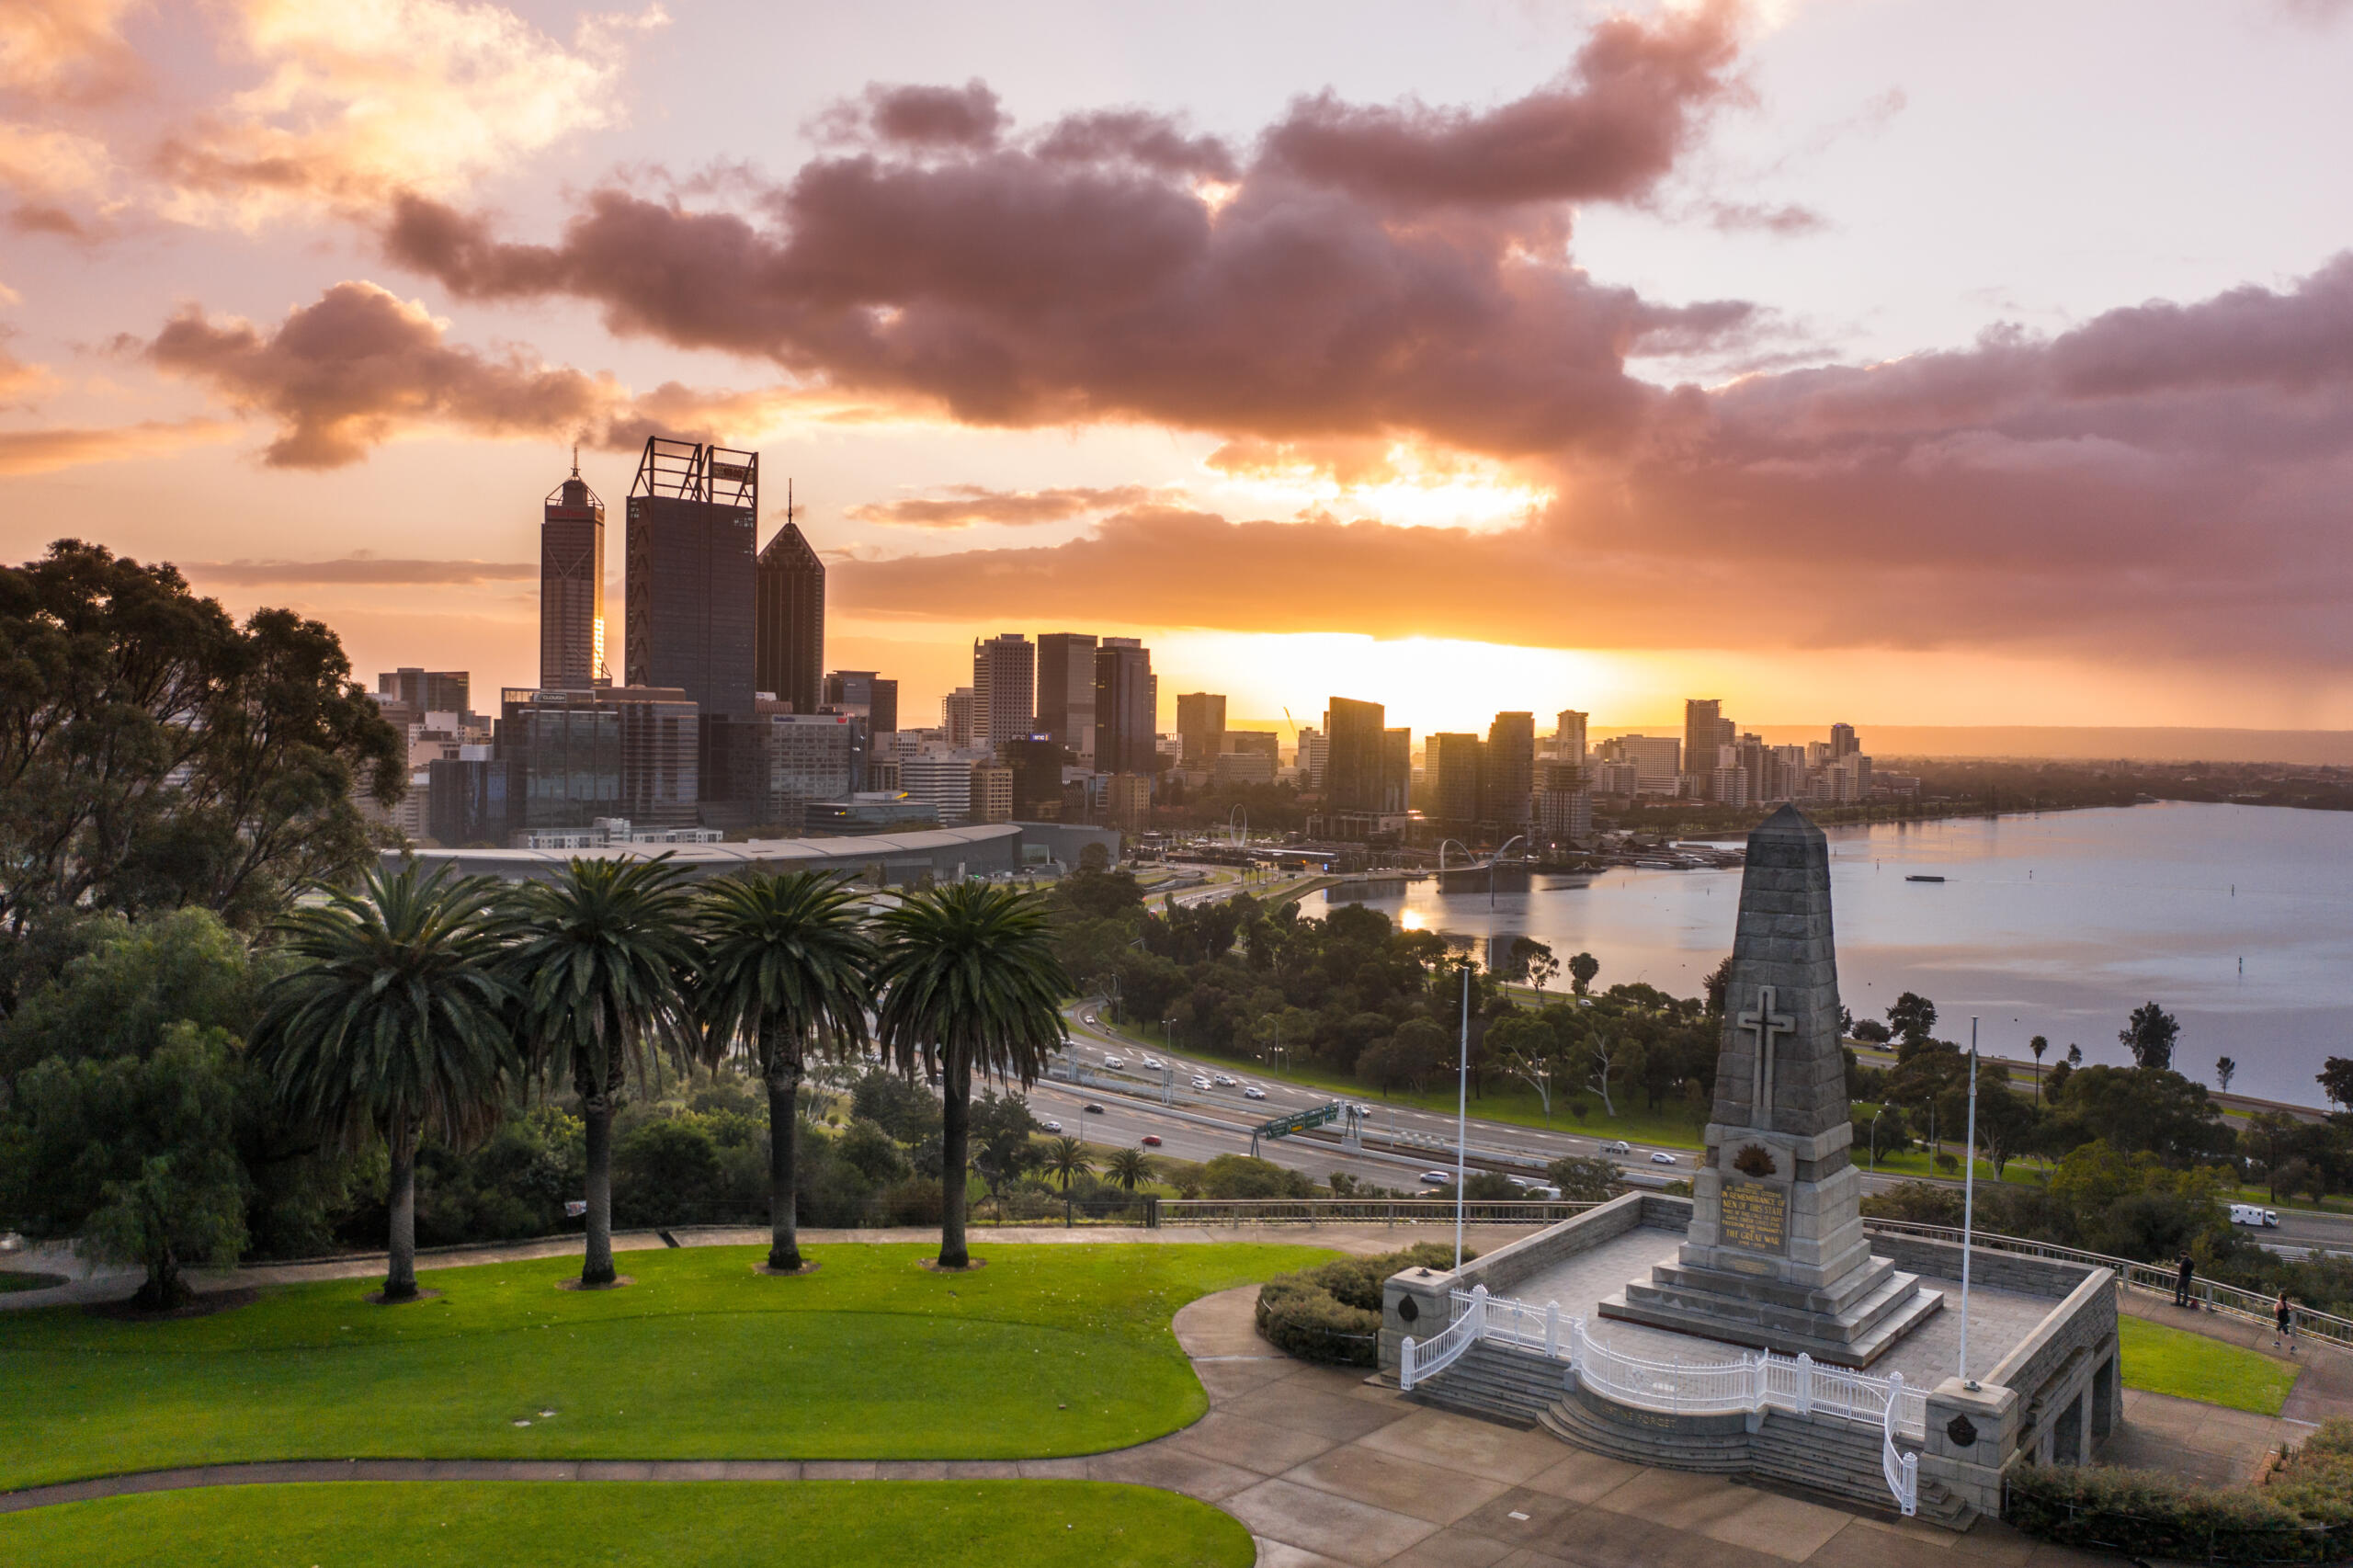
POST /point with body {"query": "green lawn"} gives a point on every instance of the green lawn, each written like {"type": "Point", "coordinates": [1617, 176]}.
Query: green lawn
{"type": "Point", "coordinates": [1048, 1350]}
{"type": "Point", "coordinates": [23, 1279]}
{"type": "Point", "coordinates": [2190, 1365]}
{"type": "Point", "coordinates": [840, 1523]}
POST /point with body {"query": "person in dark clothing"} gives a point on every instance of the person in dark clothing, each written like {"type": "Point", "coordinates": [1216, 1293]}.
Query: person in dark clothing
{"type": "Point", "coordinates": [2283, 1320]}
{"type": "Point", "coordinates": [2181, 1281]}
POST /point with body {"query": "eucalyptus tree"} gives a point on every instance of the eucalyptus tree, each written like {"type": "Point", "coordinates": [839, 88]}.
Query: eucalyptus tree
{"type": "Point", "coordinates": [604, 967]}
{"type": "Point", "coordinates": [968, 983]}
{"type": "Point", "coordinates": [784, 983]}
{"type": "Point", "coordinates": [395, 1022]}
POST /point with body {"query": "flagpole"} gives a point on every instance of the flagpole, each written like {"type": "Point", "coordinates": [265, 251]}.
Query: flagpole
{"type": "Point", "coordinates": [1462, 1113]}
{"type": "Point", "coordinates": [1968, 1209]}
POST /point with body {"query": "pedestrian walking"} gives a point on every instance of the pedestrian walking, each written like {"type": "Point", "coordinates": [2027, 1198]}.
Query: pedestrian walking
{"type": "Point", "coordinates": [2181, 1281]}
{"type": "Point", "coordinates": [2283, 1323]}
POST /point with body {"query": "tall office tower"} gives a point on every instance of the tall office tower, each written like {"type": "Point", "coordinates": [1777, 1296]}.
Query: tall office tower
{"type": "Point", "coordinates": [572, 587]}
{"type": "Point", "coordinates": [871, 696]}
{"type": "Point", "coordinates": [1036, 762]}
{"type": "Point", "coordinates": [1005, 688]}
{"type": "Point", "coordinates": [1843, 743]}
{"type": "Point", "coordinates": [956, 721]}
{"type": "Point", "coordinates": [1508, 781]}
{"type": "Point", "coordinates": [944, 783]}
{"type": "Point", "coordinates": [692, 512]}
{"type": "Point", "coordinates": [789, 618]}
{"type": "Point", "coordinates": [809, 756]}
{"type": "Point", "coordinates": [1659, 758]}
{"type": "Point", "coordinates": [426, 691]}
{"type": "Point", "coordinates": [1127, 707]}
{"type": "Point", "coordinates": [1568, 735]}
{"type": "Point", "coordinates": [1704, 729]}
{"type": "Point", "coordinates": [1066, 692]}
{"type": "Point", "coordinates": [572, 756]}
{"type": "Point", "coordinates": [1200, 720]}
{"type": "Point", "coordinates": [1451, 761]}
{"type": "Point", "coordinates": [1564, 801]}
{"type": "Point", "coordinates": [1313, 757]}
{"type": "Point", "coordinates": [1353, 781]}
{"type": "Point", "coordinates": [1396, 770]}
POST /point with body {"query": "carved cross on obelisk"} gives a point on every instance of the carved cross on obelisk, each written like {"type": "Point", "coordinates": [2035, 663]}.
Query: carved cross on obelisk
{"type": "Point", "coordinates": [1765, 1024]}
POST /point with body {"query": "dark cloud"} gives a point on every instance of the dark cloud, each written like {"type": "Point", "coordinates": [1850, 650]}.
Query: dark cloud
{"type": "Point", "coordinates": [1116, 268]}
{"type": "Point", "coordinates": [359, 570]}
{"type": "Point", "coordinates": [965, 505]}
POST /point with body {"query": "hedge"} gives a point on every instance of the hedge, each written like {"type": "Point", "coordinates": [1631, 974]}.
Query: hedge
{"type": "Point", "coordinates": [1331, 1314]}
{"type": "Point", "coordinates": [2150, 1513]}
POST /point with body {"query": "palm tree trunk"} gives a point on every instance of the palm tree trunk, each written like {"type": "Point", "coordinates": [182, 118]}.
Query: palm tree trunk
{"type": "Point", "coordinates": [784, 1142]}
{"type": "Point", "coordinates": [955, 1147]}
{"type": "Point", "coordinates": [597, 1110]}
{"type": "Point", "coordinates": [400, 1274]}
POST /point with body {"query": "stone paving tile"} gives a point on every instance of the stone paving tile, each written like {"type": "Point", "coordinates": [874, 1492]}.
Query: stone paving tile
{"type": "Point", "coordinates": [1676, 1497]}
{"type": "Point", "coordinates": [1604, 1540]}
{"type": "Point", "coordinates": [1459, 1548]}
{"type": "Point", "coordinates": [1402, 1486]}
{"type": "Point", "coordinates": [1253, 1445]}
{"type": "Point", "coordinates": [1282, 1554]}
{"type": "Point", "coordinates": [1784, 1527]}
{"type": "Point", "coordinates": [1582, 1477]}
{"type": "Point", "coordinates": [1321, 1522]}
{"type": "Point", "coordinates": [1475, 1448]}
{"type": "Point", "coordinates": [1331, 1415]}
{"type": "Point", "coordinates": [1229, 1380]}
{"type": "Point", "coordinates": [912, 1469]}
{"type": "Point", "coordinates": [839, 1469]}
{"type": "Point", "coordinates": [1053, 1470]}
{"type": "Point", "coordinates": [1175, 1470]}
{"type": "Point", "coordinates": [1864, 1544]}
{"type": "Point", "coordinates": [1523, 1519]}
{"type": "Point", "coordinates": [1525, 1557]}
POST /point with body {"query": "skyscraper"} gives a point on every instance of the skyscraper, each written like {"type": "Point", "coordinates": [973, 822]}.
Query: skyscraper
{"type": "Point", "coordinates": [871, 697]}
{"type": "Point", "coordinates": [1127, 702]}
{"type": "Point", "coordinates": [1704, 729]}
{"type": "Point", "coordinates": [1066, 692]}
{"type": "Point", "coordinates": [1508, 779]}
{"type": "Point", "coordinates": [426, 691]}
{"type": "Point", "coordinates": [1005, 688]}
{"type": "Point", "coordinates": [691, 524]}
{"type": "Point", "coordinates": [1396, 770]}
{"type": "Point", "coordinates": [788, 620]}
{"type": "Point", "coordinates": [1843, 743]}
{"type": "Point", "coordinates": [1353, 769]}
{"type": "Point", "coordinates": [1200, 720]}
{"type": "Point", "coordinates": [956, 720]}
{"type": "Point", "coordinates": [572, 587]}
{"type": "Point", "coordinates": [1568, 735]}
{"type": "Point", "coordinates": [1451, 761]}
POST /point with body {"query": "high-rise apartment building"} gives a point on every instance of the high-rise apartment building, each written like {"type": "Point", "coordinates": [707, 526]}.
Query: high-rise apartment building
{"type": "Point", "coordinates": [1200, 720]}
{"type": "Point", "coordinates": [1037, 764]}
{"type": "Point", "coordinates": [1005, 688]}
{"type": "Point", "coordinates": [1564, 806]}
{"type": "Point", "coordinates": [426, 691]}
{"type": "Point", "coordinates": [871, 696]}
{"type": "Point", "coordinates": [956, 721]}
{"type": "Point", "coordinates": [1127, 707]}
{"type": "Point", "coordinates": [1451, 760]}
{"type": "Point", "coordinates": [1704, 729]}
{"type": "Point", "coordinates": [1507, 774]}
{"type": "Point", "coordinates": [944, 783]}
{"type": "Point", "coordinates": [1313, 757]}
{"type": "Point", "coordinates": [1396, 769]}
{"type": "Point", "coordinates": [1843, 743]}
{"type": "Point", "coordinates": [991, 792]}
{"type": "Point", "coordinates": [1659, 759]}
{"type": "Point", "coordinates": [788, 620]}
{"type": "Point", "coordinates": [1568, 735]}
{"type": "Point", "coordinates": [571, 588]}
{"type": "Point", "coordinates": [1066, 692]}
{"type": "Point", "coordinates": [692, 512]}
{"type": "Point", "coordinates": [1354, 781]}
{"type": "Point", "coordinates": [572, 757]}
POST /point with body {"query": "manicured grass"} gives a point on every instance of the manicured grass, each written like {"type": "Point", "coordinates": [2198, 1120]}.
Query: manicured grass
{"type": "Point", "coordinates": [23, 1279]}
{"type": "Point", "coordinates": [1047, 1350]}
{"type": "Point", "coordinates": [840, 1523]}
{"type": "Point", "coordinates": [2190, 1365]}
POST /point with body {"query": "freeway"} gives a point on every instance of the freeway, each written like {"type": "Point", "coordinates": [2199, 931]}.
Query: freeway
{"type": "Point", "coordinates": [1401, 1140]}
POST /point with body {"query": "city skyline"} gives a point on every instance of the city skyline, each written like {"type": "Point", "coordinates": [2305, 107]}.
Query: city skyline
{"type": "Point", "coordinates": [1803, 354]}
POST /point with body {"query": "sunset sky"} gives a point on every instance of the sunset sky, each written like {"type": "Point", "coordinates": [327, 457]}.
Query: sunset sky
{"type": "Point", "coordinates": [1875, 360]}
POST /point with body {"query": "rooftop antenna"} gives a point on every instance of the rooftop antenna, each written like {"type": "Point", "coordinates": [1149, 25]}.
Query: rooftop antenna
{"type": "Point", "coordinates": [575, 459]}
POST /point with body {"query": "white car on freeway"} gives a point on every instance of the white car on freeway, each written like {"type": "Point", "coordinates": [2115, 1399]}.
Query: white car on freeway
{"type": "Point", "coordinates": [1115, 1062]}
{"type": "Point", "coordinates": [1620, 1147]}
{"type": "Point", "coordinates": [1201, 1083]}
{"type": "Point", "coordinates": [1051, 1126]}
{"type": "Point", "coordinates": [1254, 1092]}
{"type": "Point", "coordinates": [1437, 1179]}
{"type": "Point", "coordinates": [1155, 1062]}
{"type": "Point", "coordinates": [1659, 1159]}
{"type": "Point", "coordinates": [1223, 1082]}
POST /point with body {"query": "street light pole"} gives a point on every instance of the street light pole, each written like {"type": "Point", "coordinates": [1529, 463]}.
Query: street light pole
{"type": "Point", "coordinates": [1462, 1113]}
{"type": "Point", "coordinates": [1968, 1209]}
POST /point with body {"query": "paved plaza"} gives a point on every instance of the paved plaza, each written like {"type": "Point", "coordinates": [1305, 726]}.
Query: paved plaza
{"type": "Point", "coordinates": [1998, 1320]}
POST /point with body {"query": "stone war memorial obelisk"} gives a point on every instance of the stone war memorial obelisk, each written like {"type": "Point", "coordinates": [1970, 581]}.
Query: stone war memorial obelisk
{"type": "Point", "coordinates": [1776, 1256]}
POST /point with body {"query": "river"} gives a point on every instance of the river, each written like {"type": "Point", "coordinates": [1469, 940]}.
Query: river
{"type": "Point", "coordinates": [2237, 919]}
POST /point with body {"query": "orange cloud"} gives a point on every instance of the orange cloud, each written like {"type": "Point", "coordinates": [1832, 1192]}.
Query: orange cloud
{"type": "Point", "coordinates": [65, 49]}
{"type": "Point", "coordinates": [965, 505]}
{"type": "Point", "coordinates": [38, 452]}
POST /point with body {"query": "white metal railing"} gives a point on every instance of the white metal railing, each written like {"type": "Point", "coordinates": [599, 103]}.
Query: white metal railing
{"type": "Point", "coordinates": [1902, 1470]}
{"type": "Point", "coordinates": [1417, 1361]}
{"type": "Point", "coordinates": [1754, 1381]}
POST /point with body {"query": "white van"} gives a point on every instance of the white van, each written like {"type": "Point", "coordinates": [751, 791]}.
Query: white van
{"type": "Point", "coordinates": [2254, 1214]}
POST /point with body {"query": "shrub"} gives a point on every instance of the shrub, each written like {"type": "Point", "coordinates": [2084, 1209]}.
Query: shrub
{"type": "Point", "coordinates": [2148, 1513]}
{"type": "Point", "coordinates": [1331, 1314]}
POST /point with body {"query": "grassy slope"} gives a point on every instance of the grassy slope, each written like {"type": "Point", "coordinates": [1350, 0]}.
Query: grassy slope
{"type": "Point", "coordinates": [2190, 1365]}
{"type": "Point", "coordinates": [21, 1280]}
{"type": "Point", "coordinates": [1048, 1350]}
{"type": "Point", "coordinates": [1049, 1523]}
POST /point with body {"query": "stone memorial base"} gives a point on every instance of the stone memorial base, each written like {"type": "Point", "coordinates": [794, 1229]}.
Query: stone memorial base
{"type": "Point", "coordinates": [1851, 1324]}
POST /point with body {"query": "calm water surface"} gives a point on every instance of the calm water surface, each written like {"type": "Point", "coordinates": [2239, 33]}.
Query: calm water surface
{"type": "Point", "coordinates": [2238, 919]}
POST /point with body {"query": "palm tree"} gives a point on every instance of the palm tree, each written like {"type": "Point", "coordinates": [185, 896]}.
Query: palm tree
{"type": "Point", "coordinates": [1067, 1157]}
{"type": "Point", "coordinates": [969, 982]}
{"type": "Point", "coordinates": [1128, 1167]}
{"type": "Point", "coordinates": [604, 969]}
{"type": "Point", "coordinates": [396, 1024]}
{"type": "Point", "coordinates": [784, 979]}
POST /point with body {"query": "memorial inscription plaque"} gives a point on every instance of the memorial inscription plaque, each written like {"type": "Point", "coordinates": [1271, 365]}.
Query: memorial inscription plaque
{"type": "Point", "coordinates": [1755, 1216]}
